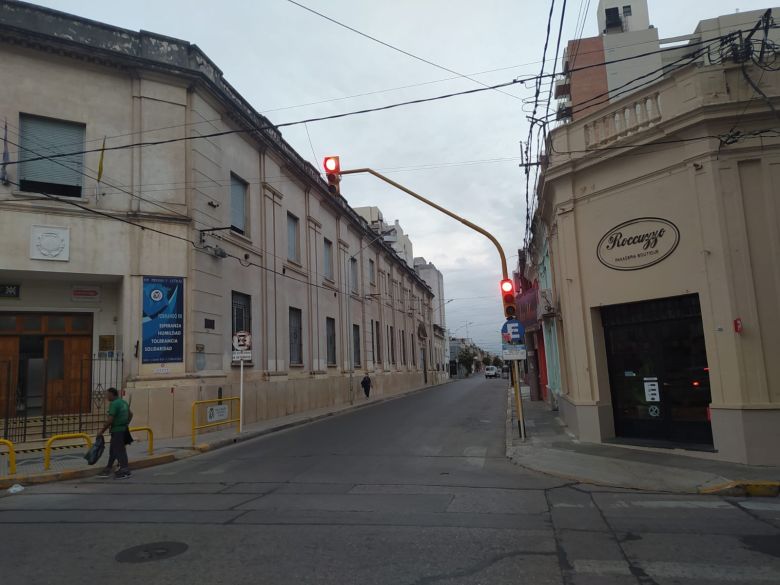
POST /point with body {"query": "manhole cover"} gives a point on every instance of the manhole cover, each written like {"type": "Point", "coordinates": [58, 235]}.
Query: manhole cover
{"type": "Point", "coordinates": [153, 551]}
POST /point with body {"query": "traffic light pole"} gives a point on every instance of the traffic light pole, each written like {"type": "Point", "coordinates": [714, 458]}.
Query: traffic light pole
{"type": "Point", "coordinates": [419, 197]}
{"type": "Point", "coordinates": [475, 227]}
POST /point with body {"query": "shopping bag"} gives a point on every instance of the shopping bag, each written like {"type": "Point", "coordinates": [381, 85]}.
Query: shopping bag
{"type": "Point", "coordinates": [94, 453]}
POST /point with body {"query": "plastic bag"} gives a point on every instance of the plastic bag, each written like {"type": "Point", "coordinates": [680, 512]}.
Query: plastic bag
{"type": "Point", "coordinates": [95, 451]}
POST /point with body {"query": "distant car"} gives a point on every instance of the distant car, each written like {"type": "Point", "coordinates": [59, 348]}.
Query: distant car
{"type": "Point", "coordinates": [491, 372]}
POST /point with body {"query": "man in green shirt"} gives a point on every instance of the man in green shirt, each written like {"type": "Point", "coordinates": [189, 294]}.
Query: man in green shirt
{"type": "Point", "coordinates": [119, 417]}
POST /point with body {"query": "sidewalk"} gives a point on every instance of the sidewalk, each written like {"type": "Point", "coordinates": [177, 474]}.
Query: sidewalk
{"type": "Point", "coordinates": [550, 448]}
{"type": "Point", "coordinates": [70, 464]}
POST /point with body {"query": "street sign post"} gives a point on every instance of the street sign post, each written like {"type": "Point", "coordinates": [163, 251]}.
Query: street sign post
{"type": "Point", "coordinates": [513, 350]}
{"type": "Point", "coordinates": [242, 350]}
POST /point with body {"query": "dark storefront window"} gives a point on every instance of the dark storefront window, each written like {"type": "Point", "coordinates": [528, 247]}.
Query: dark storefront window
{"type": "Point", "coordinates": [658, 370]}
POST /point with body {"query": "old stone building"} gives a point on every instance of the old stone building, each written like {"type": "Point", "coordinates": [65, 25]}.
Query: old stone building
{"type": "Point", "coordinates": [204, 223]}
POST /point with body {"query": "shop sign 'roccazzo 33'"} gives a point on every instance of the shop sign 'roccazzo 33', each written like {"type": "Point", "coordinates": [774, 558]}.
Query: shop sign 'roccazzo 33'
{"type": "Point", "coordinates": [638, 243]}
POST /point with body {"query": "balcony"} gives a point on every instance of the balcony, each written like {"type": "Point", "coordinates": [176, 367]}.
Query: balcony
{"type": "Point", "coordinates": [625, 120]}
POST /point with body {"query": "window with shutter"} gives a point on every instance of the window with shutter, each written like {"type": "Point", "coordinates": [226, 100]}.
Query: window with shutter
{"type": "Point", "coordinates": [45, 137]}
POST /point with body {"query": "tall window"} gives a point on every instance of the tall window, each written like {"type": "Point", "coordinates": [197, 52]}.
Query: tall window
{"type": "Point", "coordinates": [293, 248]}
{"type": "Point", "coordinates": [330, 331]}
{"type": "Point", "coordinates": [627, 10]}
{"type": "Point", "coordinates": [353, 274]}
{"type": "Point", "coordinates": [238, 191]}
{"type": "Point", "coordinates": [392, 345]}
{"type": "Point", "coordinates": [403, 347]}
{"type": "Point", "coordinates": [356, 345]}
{"type": "Point", "coordinates": [327, 259]}
{"type": "Point", "coordinates": [296, 336]}
{"type": "Point", "coordinates": [371, 272]}
{"type": "Point", "coordinates": [378, 339]}
{"type": "Point", "coordinates": [42, 137]}
{"type": "Point", "coordinates": [242, 312]}
{"type": "Point", "coordinates": [411, 347]}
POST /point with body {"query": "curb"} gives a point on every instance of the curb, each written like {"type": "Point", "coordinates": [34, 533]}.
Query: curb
{"type": "Point", "coordinates": [739, 488]}
{"type": "Point", "coordinates": [154, 460]}
{"type": "Point", "coordinates": [69, 474]}
{"type": "Point", "coordinates": [756, 489]}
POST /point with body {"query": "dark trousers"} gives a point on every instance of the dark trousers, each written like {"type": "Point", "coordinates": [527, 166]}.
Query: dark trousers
{"type": "Point", "coordinates": [117, 451]}
{"type": "Point", "coordinates": [367, 390]}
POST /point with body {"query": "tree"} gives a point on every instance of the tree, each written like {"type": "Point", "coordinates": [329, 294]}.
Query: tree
{"type": "Point", "coordinates": [466, 359]}
{"type": "Point", "coordinates": [487, 360]}
{"type": "Point", "coordinates": [498, 362]}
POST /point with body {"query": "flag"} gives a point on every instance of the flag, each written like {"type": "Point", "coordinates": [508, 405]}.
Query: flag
{"type": "Point", "coordinates": [6, 157]}
{"type": "Point", "coordinates": [100, 164]}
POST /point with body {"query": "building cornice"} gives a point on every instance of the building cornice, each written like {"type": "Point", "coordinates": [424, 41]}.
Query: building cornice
{"type": "Point", "coordinates": [50, 31]}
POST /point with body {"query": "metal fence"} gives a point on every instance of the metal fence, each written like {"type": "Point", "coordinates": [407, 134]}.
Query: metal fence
{"type": "Point", "coordinates": [80, 407]}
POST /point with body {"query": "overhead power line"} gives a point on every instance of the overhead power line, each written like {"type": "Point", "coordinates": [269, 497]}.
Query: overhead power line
{"type": "Point", "coordinates": [343, 114]}
{"type": "Point", "coordinates": [397, 49]}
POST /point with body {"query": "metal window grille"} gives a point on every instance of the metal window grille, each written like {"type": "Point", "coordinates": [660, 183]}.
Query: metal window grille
{"type": "Point", "coordinates": [242, 312]}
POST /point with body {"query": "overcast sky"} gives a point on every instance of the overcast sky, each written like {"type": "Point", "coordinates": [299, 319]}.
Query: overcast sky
{"type": "Point", "coordinates": [281, 57]}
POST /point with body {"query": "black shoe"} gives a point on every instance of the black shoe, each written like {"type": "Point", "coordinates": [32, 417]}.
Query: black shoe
{"type": "Point", "coordinates": [122, 475]}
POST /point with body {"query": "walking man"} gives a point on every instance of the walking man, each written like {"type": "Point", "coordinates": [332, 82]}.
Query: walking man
{"type": "Point", "coordinates": [366, 383]}
{"type": "Point", "coordinates": [119, 417]}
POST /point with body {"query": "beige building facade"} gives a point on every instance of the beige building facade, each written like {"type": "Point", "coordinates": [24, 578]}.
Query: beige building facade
{"type": "Point", "coordinates": [205, 224]}
{"type": "Point", "coordinates": [661, 220]}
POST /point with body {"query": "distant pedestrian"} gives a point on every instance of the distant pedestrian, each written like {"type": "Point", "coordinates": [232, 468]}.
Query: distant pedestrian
{"type": "Point", "coordinates": [118, 421]}
{"type": "Point", "coordinates": [366, 383]}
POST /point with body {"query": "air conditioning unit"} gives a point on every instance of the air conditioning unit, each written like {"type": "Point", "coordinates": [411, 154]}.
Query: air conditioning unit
{"type": "Point", "coordinates": [546, 305]}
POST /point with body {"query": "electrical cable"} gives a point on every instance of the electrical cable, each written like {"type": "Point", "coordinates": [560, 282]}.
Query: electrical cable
{"type": "Point", "coordinates": [397, 49]}
{"type": "Point", "coordinates": [272, 127]}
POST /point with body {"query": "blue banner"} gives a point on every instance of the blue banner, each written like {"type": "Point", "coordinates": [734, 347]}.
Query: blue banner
{"type": "Point", "coordinates": [163, 320]}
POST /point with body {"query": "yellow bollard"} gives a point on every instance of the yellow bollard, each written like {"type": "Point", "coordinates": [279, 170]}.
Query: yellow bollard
{"type": "Point", "coordinates": [47, 448]}
{"type": "Point", "coordinates": [11, 456]}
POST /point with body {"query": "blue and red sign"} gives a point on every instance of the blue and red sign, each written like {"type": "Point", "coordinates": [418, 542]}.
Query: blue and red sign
{"type": "Point", "coordinates": [162, 324]}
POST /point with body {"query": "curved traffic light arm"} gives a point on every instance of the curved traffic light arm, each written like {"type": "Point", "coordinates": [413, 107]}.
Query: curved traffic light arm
{"type": "Point", "coordinates": [419, 197]}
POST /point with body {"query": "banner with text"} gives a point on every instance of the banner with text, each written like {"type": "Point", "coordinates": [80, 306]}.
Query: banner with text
{"type": "Point", "coordinates": [163, 320]}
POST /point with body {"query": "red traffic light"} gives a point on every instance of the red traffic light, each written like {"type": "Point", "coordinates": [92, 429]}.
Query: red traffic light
{"type": "Point", "coordinates": [331, 164]}
{"type": "Point", "coordinates": [332, 173]}
{"type": "Point", "coordinates": [508, 298]}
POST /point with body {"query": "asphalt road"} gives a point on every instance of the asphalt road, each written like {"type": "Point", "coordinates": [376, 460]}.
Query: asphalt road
{"type": "Point", "coordinates": [413, 491]}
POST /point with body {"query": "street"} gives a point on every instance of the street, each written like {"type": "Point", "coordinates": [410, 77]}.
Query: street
{"type": "Point", "coordinates": [411, 491]}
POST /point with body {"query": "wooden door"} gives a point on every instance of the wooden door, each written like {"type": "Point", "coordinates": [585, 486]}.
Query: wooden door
{"type": "Point", "coordinates": [78, 373]}
{"type": "Point", "coordinates": [54, 353]}
{"type": "Point", "coordinates": [68, 374]}
{"type": "Point", "coordinates": [9, 375]}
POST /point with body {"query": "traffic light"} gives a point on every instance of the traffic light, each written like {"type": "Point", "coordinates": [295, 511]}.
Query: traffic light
{"type": "Point", "coordinates": [332, 173]}
{"type": "Point", "coordinates": [508, 298]}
